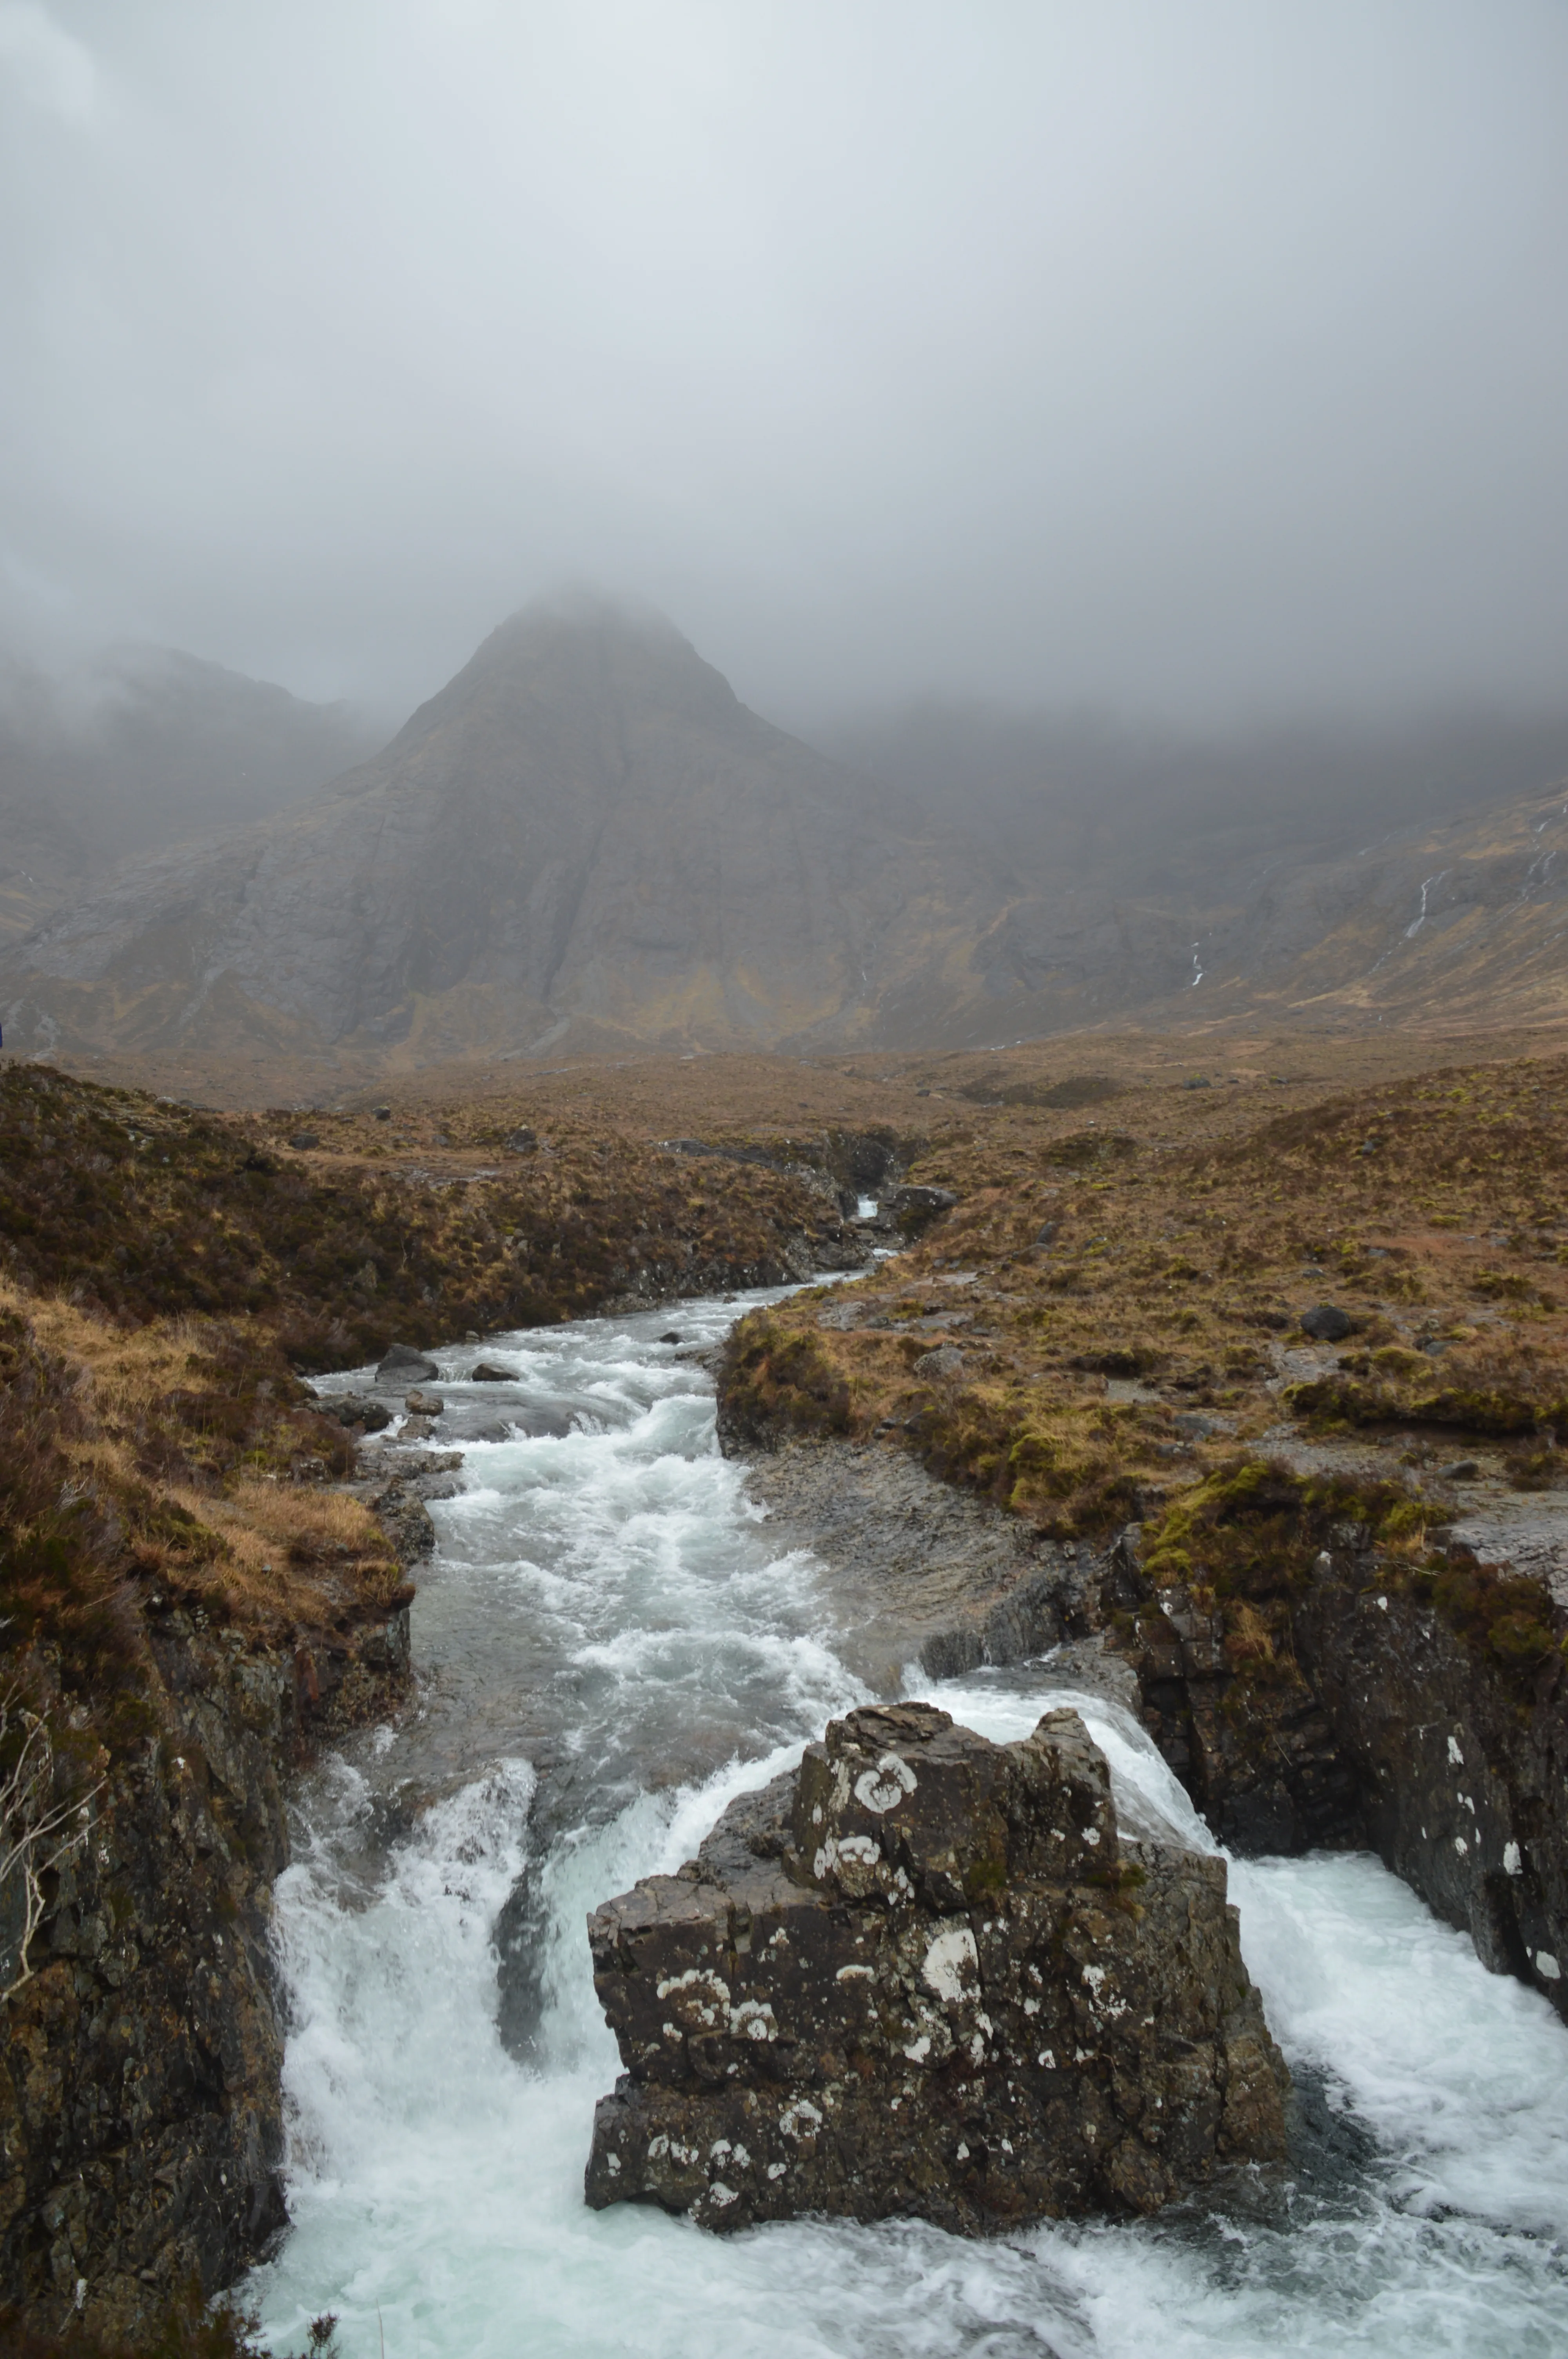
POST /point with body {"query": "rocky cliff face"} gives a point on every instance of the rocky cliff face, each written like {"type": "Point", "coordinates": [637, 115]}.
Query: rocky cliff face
{"type": "Point", "coordinates": [1393, 1727]}
{"type": "Point", "coordinates": [140, 2105]}
{"type": "Point", "coordinates": [926, 1975]}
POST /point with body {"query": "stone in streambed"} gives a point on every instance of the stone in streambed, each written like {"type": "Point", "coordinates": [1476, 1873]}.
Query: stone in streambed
{"type": "Point", "coordinates": [924, 1975]}
{"type": "Point", "coordinates": [355, 1409]}
{"type": "Point", "coordinates": [401, 1364]}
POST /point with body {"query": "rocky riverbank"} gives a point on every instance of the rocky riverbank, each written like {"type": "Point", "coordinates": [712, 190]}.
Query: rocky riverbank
{"type": "Point", "coordinates": [140, 2104]}
{"type": "Point", "coordinates": [188, 1614]}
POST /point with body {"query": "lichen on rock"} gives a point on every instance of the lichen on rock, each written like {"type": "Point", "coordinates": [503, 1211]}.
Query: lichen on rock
{"type": "Point", "coordinates": [926, 1974]}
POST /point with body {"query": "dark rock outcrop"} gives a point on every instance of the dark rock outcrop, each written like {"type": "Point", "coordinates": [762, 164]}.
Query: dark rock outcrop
{"type": "Point", "coordinates": [1387, 1723]}
{"type": "Point", "coordinates": [1327, 1323]}
{"type": "Point", "coordinates": [1462, 1765]}
{"type": "Point", "coordinates": [923, 1974]}
{"type": "Point", "coordinates": [913, 1209]}
{"type": "Point", "coordinates": [141, 2117]}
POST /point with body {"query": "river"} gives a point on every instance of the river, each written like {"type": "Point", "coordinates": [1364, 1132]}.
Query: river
{"type": "Point", "coordinates": [610, 1649]}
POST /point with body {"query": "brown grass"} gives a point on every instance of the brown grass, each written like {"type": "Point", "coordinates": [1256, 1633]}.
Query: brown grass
{"type": "Point", "coordinates": [118, 1487]}
{"type": "Point", "coordinates": [1433, 1210]}
{"type": "Point", "coordinates": [150, 1212]}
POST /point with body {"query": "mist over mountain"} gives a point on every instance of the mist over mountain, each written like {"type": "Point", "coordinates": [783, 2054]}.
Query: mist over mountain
{"type": "Point", "coordinates": [1031, 783]}
{"type": "Point", "coordinates": [584, 829]}
{"type": "Point", "coordinates": [138, 749]}
{"type": "Point", "coordinates": [586, 839]}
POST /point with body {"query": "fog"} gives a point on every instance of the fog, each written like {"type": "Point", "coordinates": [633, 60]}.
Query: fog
{"type": "Point", "coordinates": [1207, 362]}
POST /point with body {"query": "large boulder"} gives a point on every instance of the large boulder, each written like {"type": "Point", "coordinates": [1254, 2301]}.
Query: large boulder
{"type": "Point", "coordinates": [401, 1365]}
{"type": "Point", "coordinates": [925, 1974]}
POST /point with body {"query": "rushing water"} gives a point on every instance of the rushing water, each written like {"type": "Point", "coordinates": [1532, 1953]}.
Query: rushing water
{"type": "Point", "coordinates": [611, 1648]}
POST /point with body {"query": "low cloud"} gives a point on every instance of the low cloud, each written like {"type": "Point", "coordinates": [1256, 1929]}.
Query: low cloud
{"type": "Point", "coordinates": [1201, 362]}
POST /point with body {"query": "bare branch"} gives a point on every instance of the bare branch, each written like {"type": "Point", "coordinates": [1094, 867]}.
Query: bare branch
{"type": "Point", "coordinates": [38, 1834]}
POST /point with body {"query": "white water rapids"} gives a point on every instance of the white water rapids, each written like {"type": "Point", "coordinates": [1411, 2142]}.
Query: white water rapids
{"type": "Point", "coordinates": [611, 1648]}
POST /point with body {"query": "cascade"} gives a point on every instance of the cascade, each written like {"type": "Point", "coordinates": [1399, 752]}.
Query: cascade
{"type": "Point", "coordinates": [611, 1648]}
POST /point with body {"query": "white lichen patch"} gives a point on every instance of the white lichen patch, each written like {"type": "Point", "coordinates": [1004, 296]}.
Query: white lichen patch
{"type": "Point", "coordinates": [952, 1964]}
{"type": "Point", "coordinates": [883, 1788]}
{"type": "Point", "coordinates": [703, 1993]}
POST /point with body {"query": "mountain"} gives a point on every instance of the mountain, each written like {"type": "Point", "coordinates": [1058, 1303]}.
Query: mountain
{"type": "Point", "coordinates": [585, 840]}
{"type": "Point", "coordinates": [585, 829]}
{"type": "Point", "coordinates": [142, 748]}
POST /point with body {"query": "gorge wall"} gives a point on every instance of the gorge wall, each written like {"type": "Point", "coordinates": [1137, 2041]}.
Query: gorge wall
{"type": "Point", "coordinates": [140, 2102]}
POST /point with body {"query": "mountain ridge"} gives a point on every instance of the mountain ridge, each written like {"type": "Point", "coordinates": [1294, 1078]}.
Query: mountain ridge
{"type": "Point", "coordinates": [586, 838]}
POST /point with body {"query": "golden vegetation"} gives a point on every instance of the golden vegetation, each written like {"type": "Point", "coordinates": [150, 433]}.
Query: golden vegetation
{"type": "Point", "coordinates": [1111, 1310]}
{"type": "Point", "coordinates": [178, 1464]}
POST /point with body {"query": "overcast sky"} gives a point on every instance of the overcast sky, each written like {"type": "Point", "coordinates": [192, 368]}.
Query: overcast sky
{"type": "Point", "coordinates": [1198, 356]}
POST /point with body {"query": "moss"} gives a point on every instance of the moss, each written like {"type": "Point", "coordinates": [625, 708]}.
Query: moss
{"type": "Point", "coordinates": [1503, 1614]}
{"type": "Point", "coordinates": [1328, 1403]}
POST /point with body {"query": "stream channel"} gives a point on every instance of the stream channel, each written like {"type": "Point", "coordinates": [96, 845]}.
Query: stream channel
{"type": "Point", "coordinates": [610, 1649]}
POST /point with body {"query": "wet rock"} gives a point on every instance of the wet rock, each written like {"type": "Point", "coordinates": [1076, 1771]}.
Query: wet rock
{"type": "Point", "coordinates": [491, 1372]}
{"type": "Point", "coordinates": [1461, 1757]}
{"type": "Point", "coordinates": [419, 1404]}
{"type": "Point", "coordinates": [401, 1364]}
{"type": "Point", "coordinates": [356, 1410]}
{"type": "Point", "coordinates": [1326, 1324]}
{"type": "Point", "coordinates": [925, 1975]}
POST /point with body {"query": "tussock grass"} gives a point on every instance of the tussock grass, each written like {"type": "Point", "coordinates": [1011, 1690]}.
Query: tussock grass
{"type": "Point", "coordinates": [120, 1482]}
{"type": "Point", "coordinates": [1117, 1289]}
